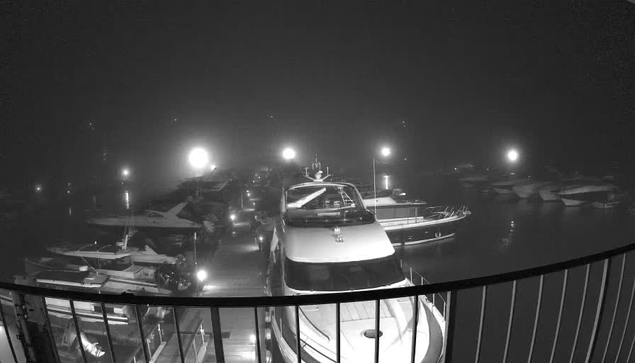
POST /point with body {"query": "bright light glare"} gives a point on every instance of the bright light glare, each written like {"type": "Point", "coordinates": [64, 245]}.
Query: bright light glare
{"type": "Point", "coordinates": [212, 167]}
{"type": "Point", "coordinates": [512, 155]}
{"type": "Point", "coordinates": [386, 177]}
{"type": "Point", "coordinates": [201, 275]}
{"type": "Point", "coordinates": [385, 151]}
{"type": "Point", "coordinates": [125, 172]}
{"type": "Point", "coordinates": [252, 339]}
{"type": "Point", "coordinates": [198, 158]}
{"type": "Point", "coordinates": [288, 154]}
{"type": "Point", "coordinates": [232, 217]}
{"type": "Point", "coordinates": [38, 188]}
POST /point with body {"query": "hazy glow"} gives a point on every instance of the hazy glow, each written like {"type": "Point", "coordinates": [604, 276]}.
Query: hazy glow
{"type": "Point", "coordinates": [386, 177]}
{"type": "Point", "coordinates": [125, 172]}
{"type": "Point", "coordinates": [201, 275]}
{"type": "Point", "coordinates": [385, 151]}
{"type": "Point", "coordinates": [232, 217]}
{"type": "Point", "coordinates": [288, 154]}
{"type": "Point", "coordinates": [212, 167]}
{"type": "Point", "coordinates": [38, 188]}
{"type": "Point", "coordinates": [512, 155]}
{"type": "Point", "coordinates": [198, 158]}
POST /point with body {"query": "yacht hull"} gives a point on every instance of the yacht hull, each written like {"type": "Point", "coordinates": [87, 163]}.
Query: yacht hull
{"type": "Point", "coordinates": [424, 232]}
{"type": "Point", "coordinates": [572, 202]}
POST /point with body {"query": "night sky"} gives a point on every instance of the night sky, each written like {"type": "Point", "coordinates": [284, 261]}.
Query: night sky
{"type": "Point", "coordinates": [145, 82]}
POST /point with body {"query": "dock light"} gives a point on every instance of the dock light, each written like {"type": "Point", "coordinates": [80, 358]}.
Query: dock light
{"type": "Point", "coordinates": [125, 172]}
{"type": "Point", "coordinates": [201, 275]}
{"type": "Point", "coordinates": [288, 154]}
{"type": "Point", "coordinates": [198, 158]}
{"type": "Point", "coordinates": [512, 155]}
{"type": "Point", "coordinates": [38, 188]}
{"type": "Point", "coordinates": [232, 217]}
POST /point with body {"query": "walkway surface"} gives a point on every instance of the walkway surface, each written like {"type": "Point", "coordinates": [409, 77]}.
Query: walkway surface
{"type": "Point", "coordinates": [237, 268]}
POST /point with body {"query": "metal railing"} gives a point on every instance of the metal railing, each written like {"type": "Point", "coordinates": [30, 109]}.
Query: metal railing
{"type": "Point", "coordinates": [563, 321]}
{"type": "Point", "coordinates": [427, 214]}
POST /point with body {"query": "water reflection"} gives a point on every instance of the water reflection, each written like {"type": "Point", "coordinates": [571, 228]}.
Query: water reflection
{"type": "Point", "coordinates": [505, 242]}
{"type": "Point", "coordinates": [127, 199]}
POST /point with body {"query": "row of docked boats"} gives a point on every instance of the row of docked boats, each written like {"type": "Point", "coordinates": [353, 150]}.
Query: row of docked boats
{"type": "Point", "coordinates": [574, 191]}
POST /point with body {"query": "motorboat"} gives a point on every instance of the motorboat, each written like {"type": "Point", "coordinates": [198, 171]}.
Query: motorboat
{"type": "Point", "coordinates": [148, 219]}
{"type": "Point", "coordinates": [475, 180]}
{"type": "Point", "coordinates": [529, 189]}
{"type": "Point", "coordinates": [507, 184]}
{"type": "Point", "coordinates": [113, 276]}
{"type": "Point", "coordinates": [612, 201]}
{"type": "Point", "coordinates": [409, 223]}
{"type": "Point", "coordinates": [146, 256]}
{"type": "Point", "coordinates": [327, 242]}
{"type": "Point", "coordinates": [576, 195]}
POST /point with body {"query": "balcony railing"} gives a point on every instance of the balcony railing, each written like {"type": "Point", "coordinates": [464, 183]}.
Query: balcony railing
{"type": "Point", "coordinates": [571, 311]}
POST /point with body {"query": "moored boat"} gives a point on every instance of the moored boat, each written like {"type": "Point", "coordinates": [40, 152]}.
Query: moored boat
{"type": "Point", "coordinates": [329, 242]}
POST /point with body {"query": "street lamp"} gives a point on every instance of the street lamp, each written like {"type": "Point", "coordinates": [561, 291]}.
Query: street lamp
{"type": "Point", "coordinates": [385, 152]}
{"type": "Point", "coordinates": [288, 154]}
{"type": "Point", "coordinates": [512, 155]}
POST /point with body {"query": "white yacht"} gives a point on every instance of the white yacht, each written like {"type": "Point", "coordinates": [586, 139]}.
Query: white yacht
{"type": "Point", "coordinates": [327, 242]}
{"type": "Point", "coordinates": [148, 219]}
{"type": "Point", "coordinates": [529, 189]}
{"type": "Point", "coordinates": [409, 223]}
{"type": "Point", "coordinates": [576, 195]}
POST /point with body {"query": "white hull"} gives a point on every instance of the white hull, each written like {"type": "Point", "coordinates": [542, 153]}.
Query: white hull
{"type": "Point", "coordinates": [503, 191]}
{"type": "Point", "coordinates": [572, 202]}
{"type": "Point", "coordinates": [549, 195]}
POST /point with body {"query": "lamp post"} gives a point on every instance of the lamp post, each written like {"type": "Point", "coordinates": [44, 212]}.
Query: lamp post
{"type": "Point", "coordinates": [384, 152]}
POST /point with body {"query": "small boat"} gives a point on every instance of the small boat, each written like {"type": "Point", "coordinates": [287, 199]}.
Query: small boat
{"type": "Point", "coordinates": [528, 190]}
{"type": "Point", "coordinates": [138, 256]}
{"type": "Point", "coordinates": [409, 223]}
{"type": "Point", "coordinates": [549, 193]}
{"type": "Point", "coordinates": [505, 187]}
{"type": "Point", "coordinates": [576, 195]}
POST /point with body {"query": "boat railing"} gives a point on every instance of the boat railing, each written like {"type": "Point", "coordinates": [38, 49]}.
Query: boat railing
{"type": "Point", "coordinates": [577, 310]}
{"type": "Point", "coordinates": [437, 299]}
{"type": "Point", "coordinates": [428, 214]}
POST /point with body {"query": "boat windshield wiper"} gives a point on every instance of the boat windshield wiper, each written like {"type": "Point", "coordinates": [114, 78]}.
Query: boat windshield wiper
{"type": "Point", "coordinates": [299, 203]}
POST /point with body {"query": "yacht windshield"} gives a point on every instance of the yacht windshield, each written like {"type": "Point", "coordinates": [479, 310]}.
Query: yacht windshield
{"type": "Point", "coordinates": [324, 205]}
{"type": "Point", "coordinates": [343, 276]}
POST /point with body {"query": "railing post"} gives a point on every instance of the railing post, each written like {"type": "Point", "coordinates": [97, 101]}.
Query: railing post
{"type": "Point", "coordinates": [617, 302]}
{"type": "Point", "coordinates": [628, 316]}
{"type": "Point", "coordinates": [450, 320]}
{"type": "Point", "coordinates": [298, 345]}
{"type": "Point", "coordinates": [217, 335]}
{"type": "Point", "coordinates": [577, 329]}
{"type": "Point", "coordinates": [555, 338]}
{"type": "Point", "coordinates": [79, 337]}
{"type": "Point", "coordinates": [480, 324]}
{"type": "Point", "coordinates": [175, 315]}
{"type": "Point", "coordinates": [6, 330]}
{"type": "Point", "coordinates": [536, 317]}
{"type": "Point", "coordinates": [415, 322]}
{"type": "Point", "coordinates": [511, 318]}
{"type": "Point", "coordinates": [599, 310]}
{"type": "Point", "coordinates": [108, 337]}
{"type": "Point", "coordinates": [337, 333]}
{"type": "Point", "coordinates": [47, 321]}
{"type": "Point", "coordinates": [377, 332]}
{"type": "Point", "coordinates": [257, 326]}
{"type": "Point", "coordinates": [144, 343]}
